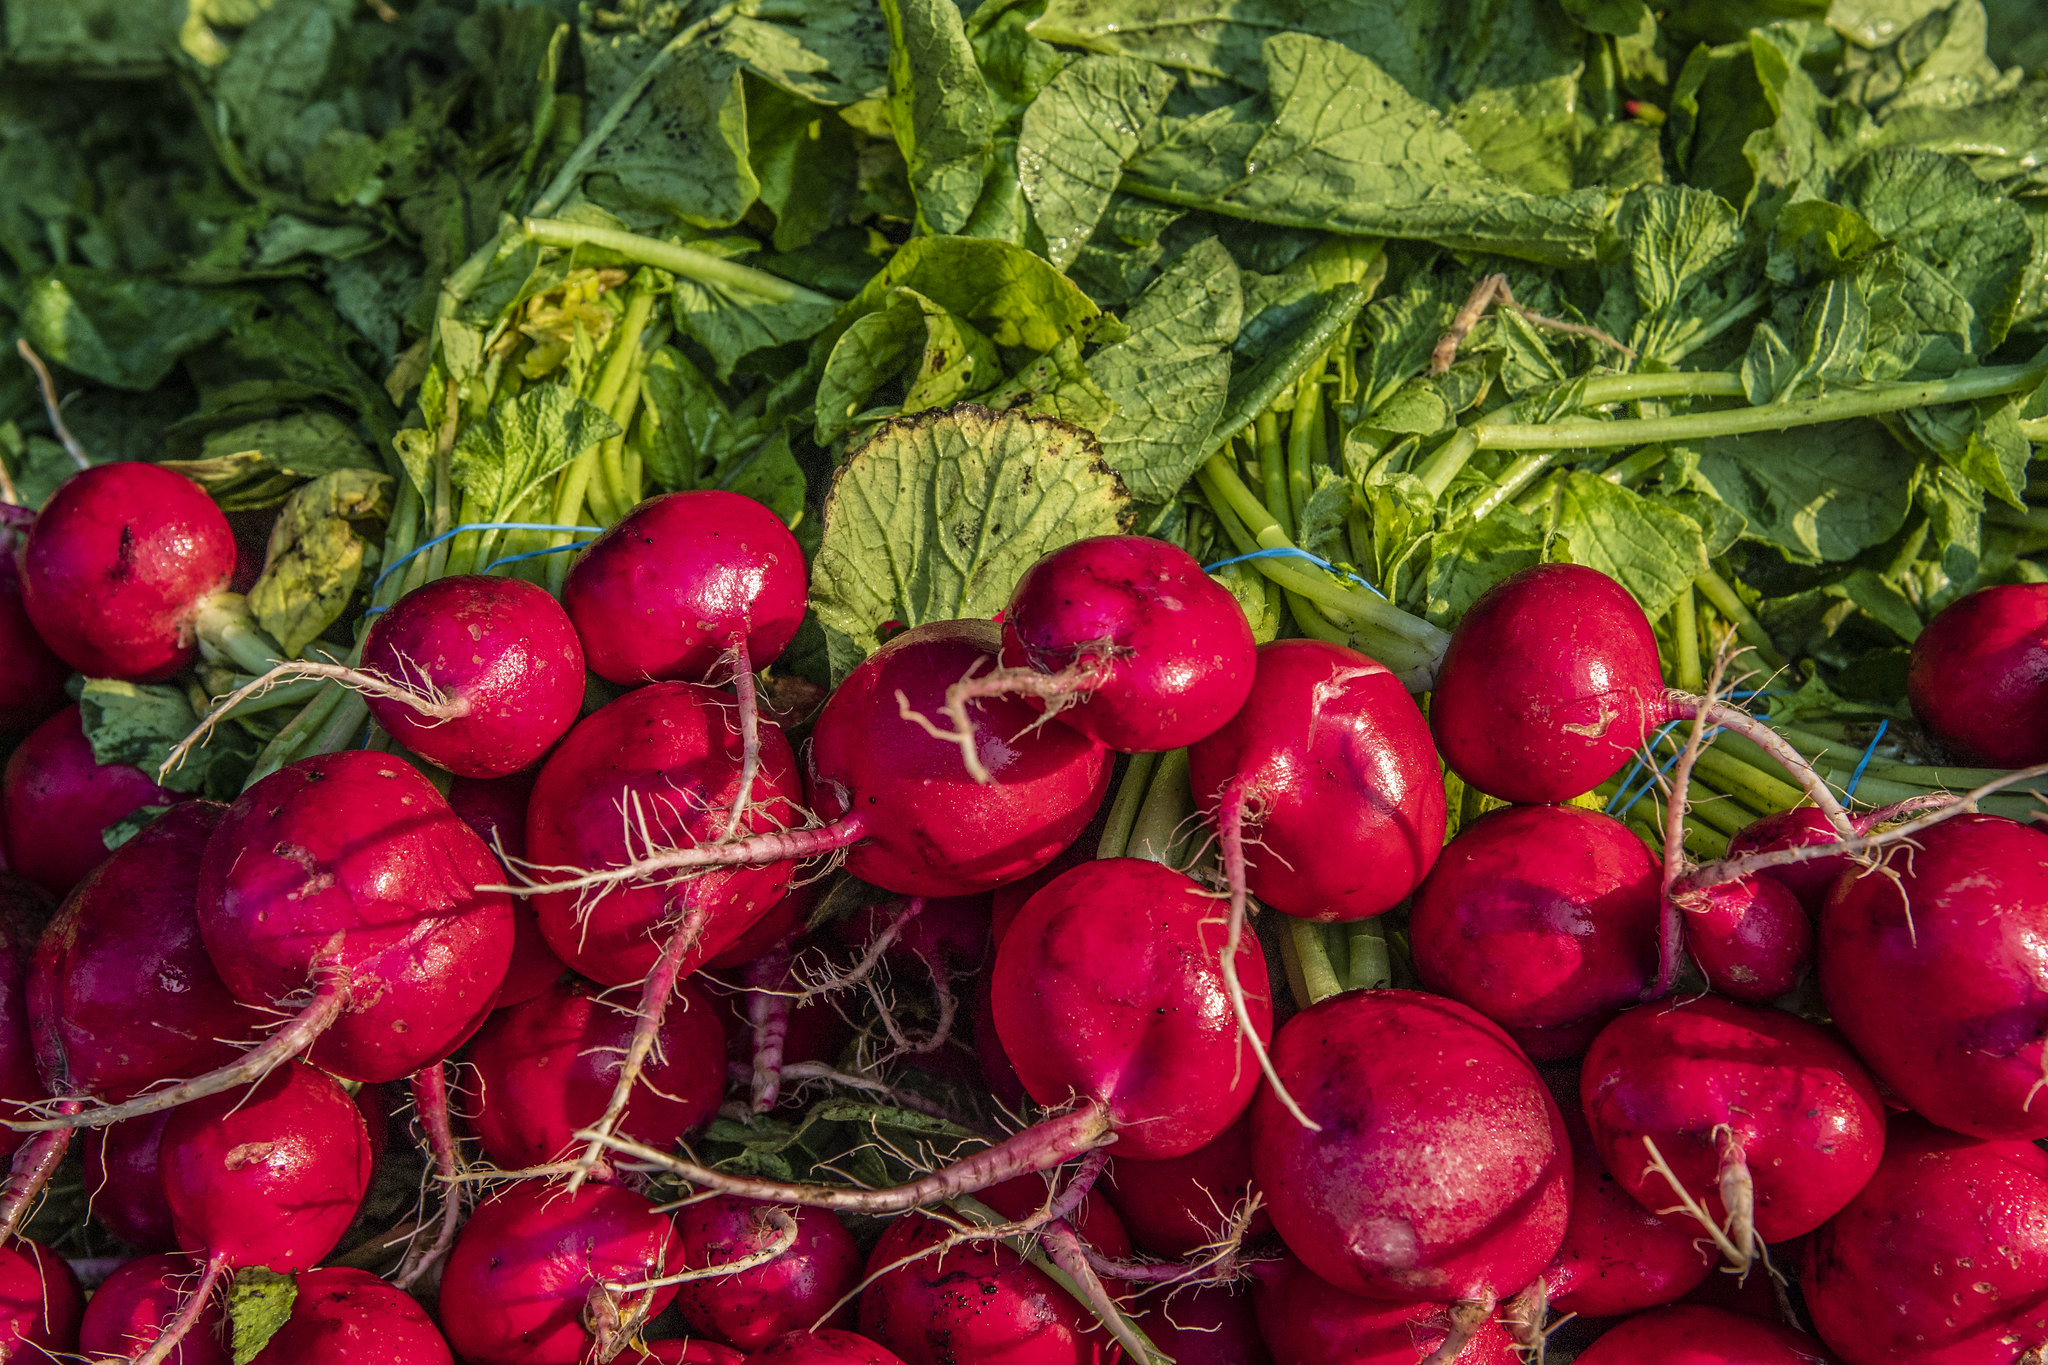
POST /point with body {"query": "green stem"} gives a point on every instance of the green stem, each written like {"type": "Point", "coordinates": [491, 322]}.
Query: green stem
{"type": "Point", "coordinates": [2035, 430]}
{"type": "Point", "coordinates": [1758, 789]}
{"type": "Point", "coordinates": [1369, 964]}
{"type": "Point", "coordinates": [1318, 973]}
{"type": "Point", "coordinates": [1123, 811]}
{"type": "Point", "coordinates": [1272, 456]}
{"type": "Point", "coordinates": [285, 745]}
{"type": "Point", "coordinates": [1730, 605]}
{"type": "Point", "coordinates": [1301, 431]}
{"type": "Point", "coordinates": [1685, 633]}
{"type": "Point", "coordinates": [691, 264]}
{"type": "Point", "coordinates": [225, 623]}
{"type": "Point", "coordinates": [1157, 828]}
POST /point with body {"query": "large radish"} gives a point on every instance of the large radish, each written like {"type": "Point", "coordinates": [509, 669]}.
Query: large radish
{"type": "Point", "coordinates": [1978, 678]}
{"type": "Point", "coordinates": [58, 798]}
{"type": "Point", "coordinates": [1690, 1335]}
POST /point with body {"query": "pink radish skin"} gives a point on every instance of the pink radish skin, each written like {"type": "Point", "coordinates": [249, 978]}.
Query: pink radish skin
{"type": "Point", "coordinates": [546, 1068]}
{"type": "Point", "coordinates": [496, 809]}
{"type": "Point", "coordinates": [1108, 986]}
{"type": "Point", "coordinates": [1331, 765]}
{"type": "Point", "coordinates": [525, 1266]}
{"type": "Point", "coordinates": [684, 1351]}
{"type": "Point", "coordinates": [40, 1303]}
{"type": "Point", "coordinates": [668, 591]}
{"type": "Point", "coordinates": [1441, 1173]}
{"type": "Point", "coordinates": [1306, 1321]}
{"type": "Point", "coordinates": [128, 1311]}
{"type": "Point", "coordinates": [826, 1347]}
{"type": "Point", "coordinates": [1796, 828]}
{"type": "Point", "coordinates": [1942, 1259]}
{"type": "Point", "coordinates": [1689, 1335]}
{"type": "Point", "coordinates": [123, 1184]}
{"type": "Point", "coordinates": [499, 650]}
{"type": "Point", "coordinates": [750, 1308]}
{"type": "Point", "coordinates": [1978, 679]}
{"type": "Point", "coordinates": [1751, 938]}
{"type": "Point", "coordinates": [1618, 1257]}
{"type": "Point", "coordinates": [122, 993]}
{"type": "Point", "coordinates": [118, 566]}
{"type": "Point", "coordinates": [1213, 1325]}
{"type": "Point", "coordinates": [57, 798]}
{"type": "Point", "coordinates": [787, 916]}
{"type": "Point", "coordinates": [350, 1317]}
{"type": "Point", "coordinates": [1936, 970]}
{"type": "Point", "coordinates": [1544, 919]}
{"type": "Point", "coordinates": [925, 828]}
{"type": "Point", "coordinates": [1175, 1206]}
{"type": "Point", "coordinates": [1694, 1075]}
{"type": "Point", "coordinates": [32, 684]}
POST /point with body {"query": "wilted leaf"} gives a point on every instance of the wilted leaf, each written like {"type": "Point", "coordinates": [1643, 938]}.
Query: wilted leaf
{"type": "Point", "coordinates": [316, 555]}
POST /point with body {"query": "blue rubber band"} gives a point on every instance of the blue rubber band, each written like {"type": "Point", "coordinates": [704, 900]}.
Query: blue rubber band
{"type": "Point", "coordinates": [1864, 761]}
{"type": "Point", "coordinates": [536, 554]}
{"type": "Point", "coordinates": [1290, 552]}
{"type": "Point", "coordinates": [1635, 767]}
{"type": "Point", "coordinates": [454, 531]}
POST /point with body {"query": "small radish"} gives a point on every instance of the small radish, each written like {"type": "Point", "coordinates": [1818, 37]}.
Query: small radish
{"type": "Point", "coordinates": [128, 1311]}
{"type": "Point", "coordinates": [1799, 827]}
{"type": "Point", "coordinates": [57, 798]}
{"type": "Point", "coordinates": [350, 1317]}
{"type": "Point", "coordinates": [546, 1068]}
{"type": "Point", "coordinates": [1544, 919]}
{"type": "Point", "coordinates": [496, 809]}
{"type": "Point", "coordinates": [122, 1185]}
{"type": "Point", "coordinates": [803, 1262]}
{"type": "Point", "coordinates": [1618, 1257]}
{"type": "Point", "coordinates": [537, 1273]}
{"type": "Point", "coordinates": [1750, 936]}
{"type": "Point", "coordinates": [1440, 1171]}
{"type": "Point", "coordinates": [1305, 1320]}
{"type": "Point", "coordinates": [1109, 987]}
{"type": "Point", "coordinates": [1978, 678]}
{"type": "Point", "coordinates": [32, 679]}
{"type": "Point", "coordinates": [119, 566]}
{"type": "Point", "coordinates": [1935, 967]}
{"type": "Point", "coordinates": [1125, 639]}
{"type": "Point", "coordinates": [1942, 1259]}
{"type": "Point", "coordinates": [1756, 1123]}
{"type": "Point", "coordinates": [40, 1304]}
{"type": "Point", "coordinates": [1210, 1325]}
{"type": "Point", "coordinates": [824, 1347]}
{"type": "Point", "coordinates": [1176, 1206]}
{"type": "Point", "coordinates": [1690, 1335]}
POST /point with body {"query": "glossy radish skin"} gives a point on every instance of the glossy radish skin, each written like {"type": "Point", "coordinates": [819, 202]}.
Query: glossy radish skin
{"type": "Point", "coordinates": [129, 1309]}
{"type": "Point", "coordinates": [1174, 1206]}
{"type": "Point", "coordinates": [1307, 1321]}
{"type": "Point", "coordinates": [1549, 686]}
{"type": "Point", "coordinates": [57, 798]}
{"type": "Point", "coordinates": [1618, 1257]}
{"type": "Point", "coordinates": [750, 1308]}
{"type": "Point", "coordinates": [1544, 919]}
{"type": "Point", "coordinates": [684, 1351]}
{"type": "Point", "coordinates": [1691, 1335]}
{"type": "Point", "coordinates": [667, 591]}
{"type": "Point", "coordinates": [1936, 970]}
{"type": "Point", "coordinates": [352, 864]}
{"type": "Point", "coordinates": [350, 1317]}
{"type": "Point", "coordinates": [1168, 653]}
{"type": "Point", "coordinates": [122, 994]}
{"type": "Point", "coordinates": [1442, 1172]}
{"type": "Point", "coordinates": [1978, 679]}
{"type": "Point", "coordinates": [32, 678]}
{"type": "Point", "coordinates": [928, 829]}
{"type": "Point", "coordinates": [40, 1303]}
{"type": "Point", "coordinates": [1344, 798]}
{"type": "Point", "coordinates": [1751, 938]}
{"type": "Point", "coordinates": [546, 1068]}
{"type": "Point", "coordinates": [1809, 1122]}
{"type": "Point", "coordinates": [1109, 985]}
{"type": "Point", "coordinates": [268, 1177]}
{"type": "Point", "coordinates": [826, 1347]}
{"type": "Point", "coordinates": [118, 565]}
{"type": "Point", "coordinates": [670, 753]}
{"type": "Point", "coordinates": [1796, 828]}
{"type": "Point", "coordinates": [516, 1286]}
{"type": "Point", "coordinates": [496, 809]}
{"type": "Point", "coordinates": [1942, 1259]}
{"type": "Point", "coordinates": [502, 653]}
{"type": "Point", "coordinates": [1213, 1325]}
{"type": "Point", "coordinates": [123, 1183]}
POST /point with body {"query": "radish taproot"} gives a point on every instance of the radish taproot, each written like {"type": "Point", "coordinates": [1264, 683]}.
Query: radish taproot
{"type": "Point", "coordinates": [32, 682]}
{"type": "Point", "coordinates": [56, 798]}
{"type": "Point", "coordinates": [341, 1316]}
{"type": "Point", "coordinates": [1125, 639]}
{"type": "Point", "coordinates": [1686, 1334]}
{"type": "Point", "coordinates": [1542, 918]}
{"type": "Point", "coordinates": [1305, 1320]}
{"type": "Point", "coordinates": [793, 1265]}
{"type": "Point", "coordinates": [1978, 676]}
{"type": "Point", "coordinates": [128, 1311]}
{"type": "Point", "coordinates": [496, 809]}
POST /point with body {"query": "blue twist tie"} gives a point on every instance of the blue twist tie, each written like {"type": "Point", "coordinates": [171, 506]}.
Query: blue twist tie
{"type": "Point", "coordinates": [1864, 761]}
{"type": "Point", "coordinates": [536, 554]}
{"type": "Point", "coordinates": [1290, 552]}
{"type": "Point", "coordinates": [455, 531]}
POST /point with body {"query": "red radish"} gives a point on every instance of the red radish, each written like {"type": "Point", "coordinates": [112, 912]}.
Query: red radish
{"type": "Point", "coordinates": [1755, 1295]}
{"type": "Point", "coordinates": [1108, 987]}
{"type": "Point", "coordinates": [1544, 919]}
{"type": "Point", "coordinates": [1212, 1325]}
{"type": "Point", "coordinates": [538, 1271]}
{"type": "Point", "coordinates": [811, 1263]}
{"type": "Point", "coordinates": [118, 567]}
{"type": "Point", "coordinates": [40, 1303]}
{"type": "Point", "coordinates": [996, 1071]}
{"type": "Point", "coordinates": [1942, 1259]}
{"type": "Point", "coordinates": [1935, 968]}
{"type": "Point", "coordinates": [1761, 1120]}
{"type": "Point", "coordinates": [825, 1347]}
{"type": "Point", "coordinates": [787, 916]}
{"type": "Point", "coordinates": [32, 681]}
{"type": "Point", "coordinates": [122, 1185]}
{"type": "Point", "coordinates": [546, 1068]}
{"type": "Point", "coordinates": [1176, 1206]}
{"type": "Point", "coordinates": [1440, 1173]}
{"type": "Point", "coordinates": [1750, 936]}
{"type": "Point", "coordinates": [350, 1317]}
{"type": "Point", "coordinates": [1618, 1257]}
{"type": "Point", "coordinates": [683, 1351]}
{"type": "Point", "coordinates": [57, 798]}
{"type": "Point", "coordinates": [22, 909]}
{"type": "Point", "coordinates": [128, 1311]}
{"type": "Point", "coordinates": [496, 809]}
{"type": "Point", "coordinates": [1691, 1335]}
{"type": "Point", "coordinates": [1307, 1321]}
{"type": "Point", "coordinates": [1799, 827]}
{"type": "Point", "coordinates": [1125, 639]}
{"type": "Point", "coordinates": [1978, 679]}
{"type": "Point", "coordinates": [1006, 900]}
